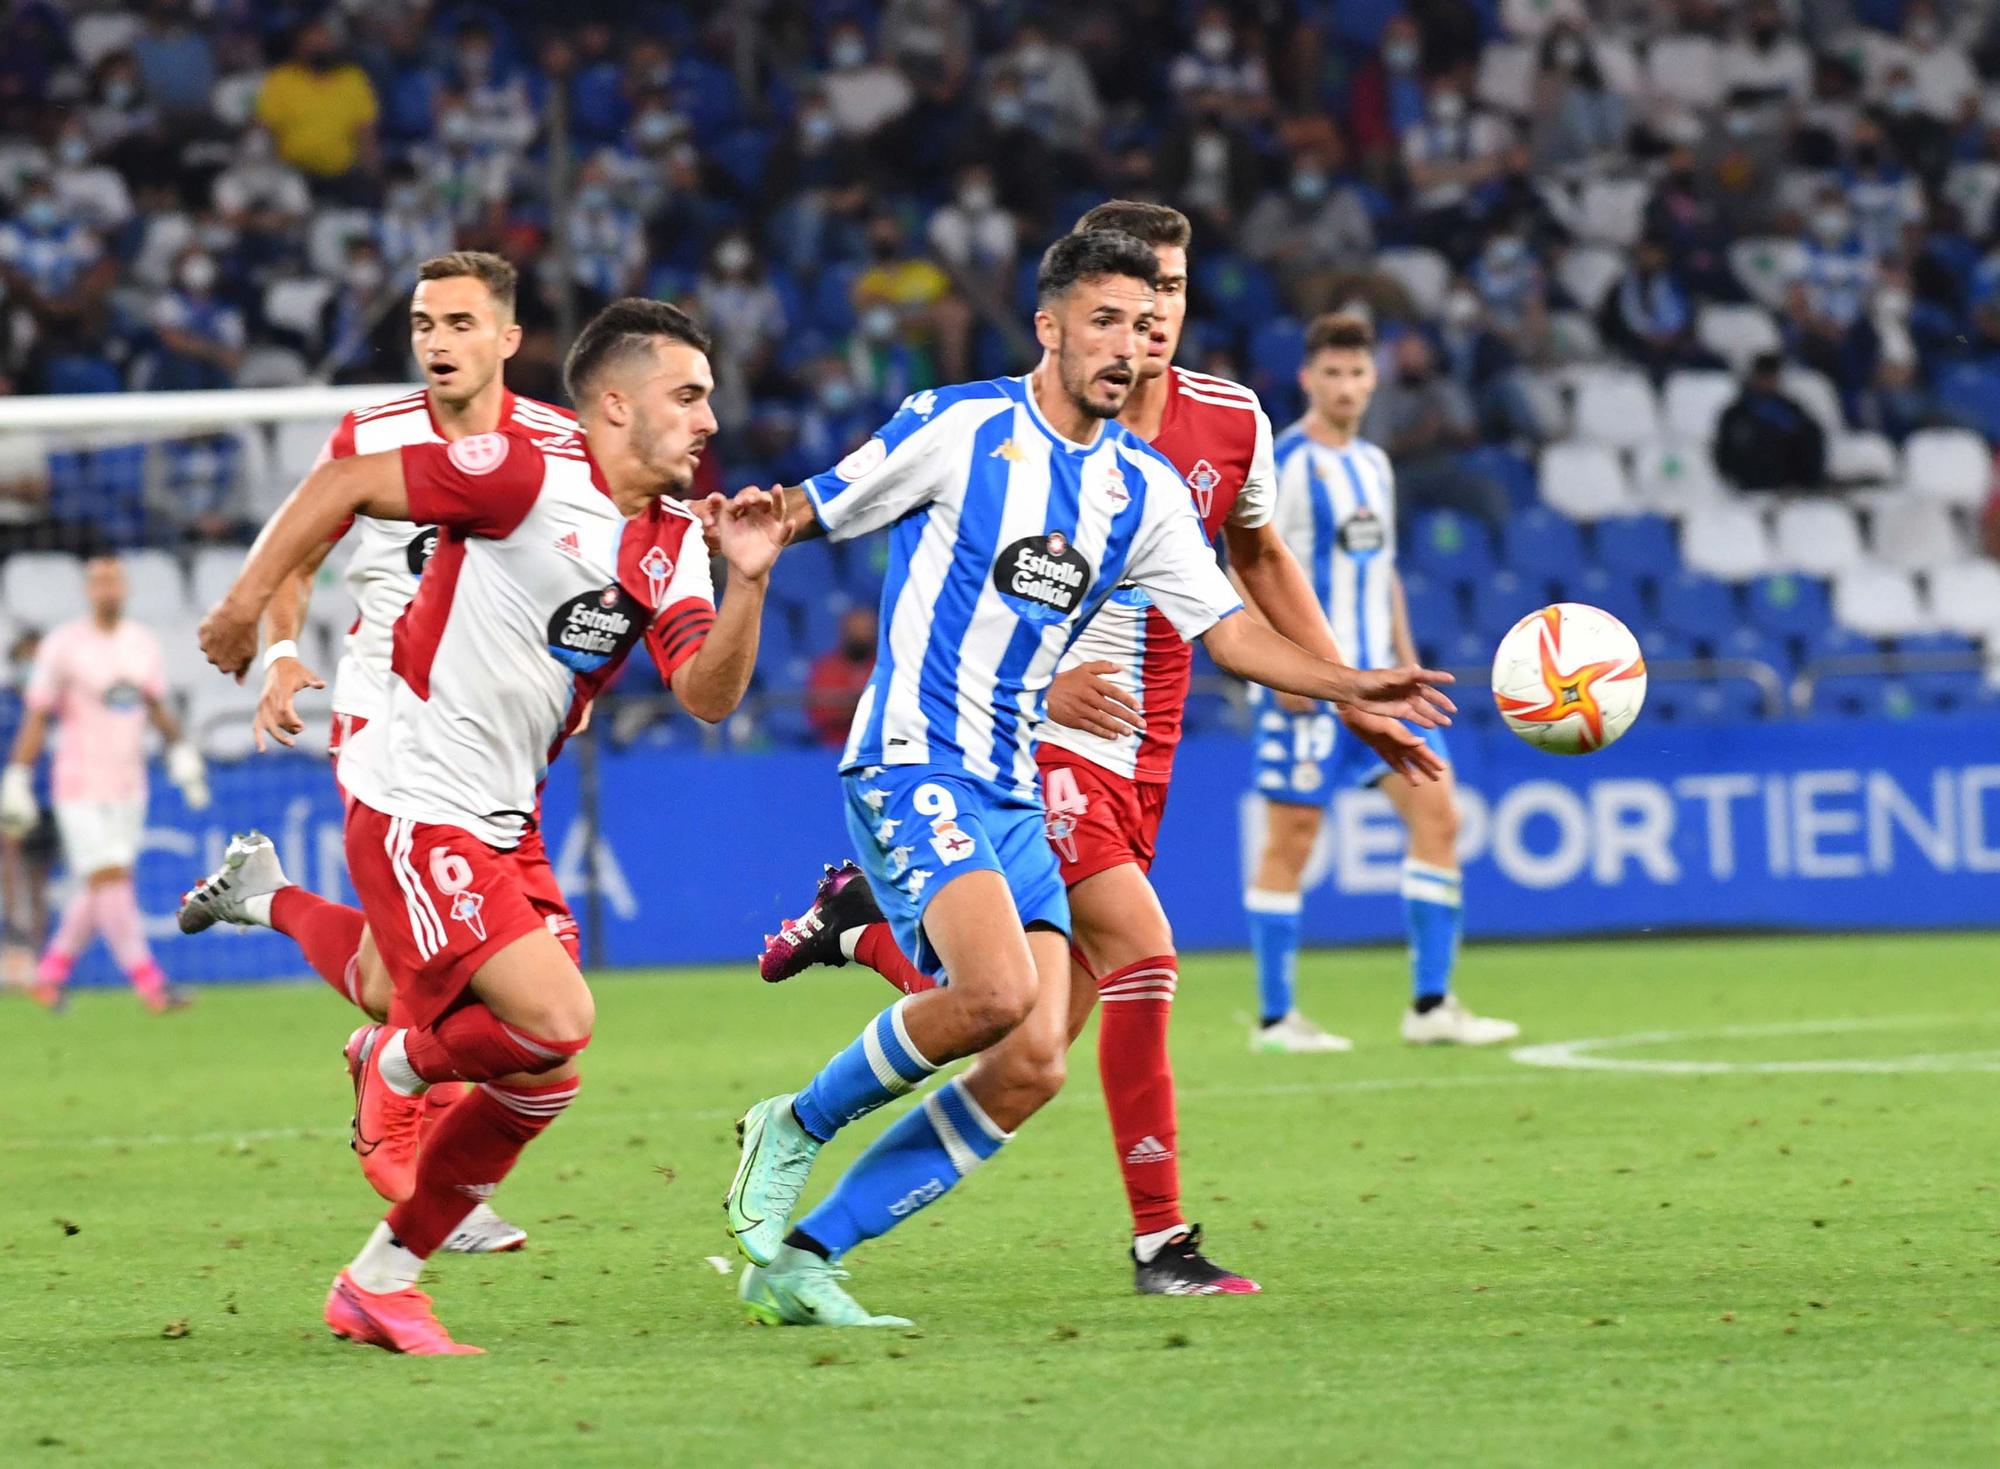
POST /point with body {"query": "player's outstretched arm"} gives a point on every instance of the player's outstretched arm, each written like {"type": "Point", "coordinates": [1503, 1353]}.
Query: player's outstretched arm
{"type": "Point", "coordinates": [1275, 586]}
{"type": "Point", "coordinates": [366, 484]}
{"type": "Point", "coordinates": [1245, 647]}
{"type": "Point", "coordinates": [748, 531]}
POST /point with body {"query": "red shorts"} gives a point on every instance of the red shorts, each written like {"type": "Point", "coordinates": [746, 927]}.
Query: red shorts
{"type": "Point", "coordinates": [1097, 820]}
{"type": "Point", "coordinates": [440, 902]}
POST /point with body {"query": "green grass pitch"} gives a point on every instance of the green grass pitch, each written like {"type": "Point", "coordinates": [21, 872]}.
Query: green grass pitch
{"type": "Point", "coordinates": [1467, 1259]}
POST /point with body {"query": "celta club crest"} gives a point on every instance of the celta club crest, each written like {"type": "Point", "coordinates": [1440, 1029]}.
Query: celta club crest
{"type": "Point", "coordinates": [465, 907]}
{"type": "Point", "coordinates": [1061, 828]}
{"type": "Point", "coordinates": [658, 568]}
{"type": "Point", "coordinates": [1203, 479]}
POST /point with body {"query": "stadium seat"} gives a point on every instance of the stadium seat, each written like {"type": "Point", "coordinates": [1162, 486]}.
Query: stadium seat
{"type": "Point", "coordinates": [1861, 459]}
{"type": "Point", "coordinates": [1968, 393]}
{"type": "Point", "coordinates": [1452, 546]}
{"type": "Point", "coordinates": [1765, 265]}
{"type": "Point", "coordinates": [1638, 546]}
{"type": "Point", "coordinates": [295, 449]}
{"type": "Point", "coordinates": [1858, 696]}
{"type": "Point", "coordinates": [1433, 605]}
{"type": "Point", "coordinates": [1816, 394]}
{"type": "Point", "coordinates": [219, 715]}
{"type": "Point", "coordinates": [1685, 69]}
{"type": "Point", "coordinates": [1612, 210]}
{"type": "Point", "coordinates": [1514, 471]}
{"type": "Point", "coordinates": [1506, 79]}
{"type": "Point", "coordinates": [1624, 597]}
{"type": "Point", "coordinates": [42, 589]}
{"type": "Point", "coordinates": [1949, 464]}
{"type": "Point", "coordinates": [1616, 408]}
{"type": "Point", "coordinates": [1757, 646]}
{"type": "Point", "coordinates": [1675, 478]}
{"type": "Point", "coordinates": [1966, 598]}
{"type": "Point", "coordinates": [1698, 607]}
{"type": "Point", "coordinates": [156, 593]}
{"type": "Point", "coordinates": [1916, 535]}
{"type": "Point", "coordinates": [1878, 602]}
{"type": "Point", "coordinates": [1585, 481]}
{"type": "Point", "coordinates": [1788, 606]}
{"type": "Point", "coordinates": [1720, 701]}
{"type": "Point", "coordinates": [1948, 692]}
{"type": "Point", "coordinates": [1728, 540]}
{"type": "Point", "coordinates": [1503, 599]}
{"type": "Point", "coordinates": [213, 573]}
{"type": "Point", "coordinates": [1425, 274]}
{"type": "Point", "coordinates": [1737, 333]}
{"type": "Point", "coordinates": [1974, 187]}
{"type": "Point", "coordinates": [1588, 272]}
{"type": "Point", "coordinates": [1693, 402]}
{"type": "Point", "coordinates": [1539, 545]}
{"type": "Point", "coordinates": [294, 305]}
{"type": "Point", "coordinates": [1819, 537]}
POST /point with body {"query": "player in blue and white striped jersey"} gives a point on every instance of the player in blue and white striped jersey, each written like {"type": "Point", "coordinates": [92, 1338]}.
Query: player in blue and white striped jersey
{"type": "Point", "coordinates": [1336, 508]}
{"type": "Point", "coordinates": [1017, 507]}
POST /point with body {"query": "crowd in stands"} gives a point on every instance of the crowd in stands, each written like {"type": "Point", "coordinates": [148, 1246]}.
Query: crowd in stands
{"type": "Point", "coordinates": [1544, 204]}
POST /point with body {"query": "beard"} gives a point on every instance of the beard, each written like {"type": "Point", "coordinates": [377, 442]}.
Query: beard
{"type": "Point", "coordinates": [650, 447]}
{"type": "Point", "coordinates": [1077, 385]}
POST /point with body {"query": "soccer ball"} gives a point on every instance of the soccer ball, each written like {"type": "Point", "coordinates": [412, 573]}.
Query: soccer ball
{"type": "Point", "coordinates": [1569, 679]}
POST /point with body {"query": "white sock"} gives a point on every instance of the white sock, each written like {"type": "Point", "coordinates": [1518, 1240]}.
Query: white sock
{"type": "Point", "coordinates": [1146, 1246]}
{"type": "Point", "coordinates": [384, 1265]}
{"type": "Point", "coordinates": [849, 938]}
{"type": "Point", "coordinates": [394, 1062]}
{"type": "Point", "coordinates": [258, 909]}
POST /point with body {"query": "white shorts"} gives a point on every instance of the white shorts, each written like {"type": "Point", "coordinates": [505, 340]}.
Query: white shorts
{"type": "Point", "coordinates": [100, 834]}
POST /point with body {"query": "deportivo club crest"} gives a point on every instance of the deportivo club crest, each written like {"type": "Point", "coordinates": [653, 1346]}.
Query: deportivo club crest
{"type": "Point", "coordinates": [1203, 479]}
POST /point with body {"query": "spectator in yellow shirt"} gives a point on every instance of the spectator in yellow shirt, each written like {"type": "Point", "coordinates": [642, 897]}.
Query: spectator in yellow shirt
{"type": "Point", "coordinates": [909, 296]}
{"type": "Point", "coordinates": [320, 108]}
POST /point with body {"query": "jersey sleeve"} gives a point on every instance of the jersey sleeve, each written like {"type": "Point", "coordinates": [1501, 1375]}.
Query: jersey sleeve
{"type": "Point", "coordinates": [483, 485]}
{"type": "Point", "coordinates": [1256, 501]}
{"type": "Point", "coordinates": [688, 611]}
{"type": "Point", "coordinates": [1173, 561]}
{"type": "Point", "coordinates": [45, 680]}
{"type": "Point", "coordinates": [897, 470]}
{"type": "Point", "coordinates": [1290, 511]}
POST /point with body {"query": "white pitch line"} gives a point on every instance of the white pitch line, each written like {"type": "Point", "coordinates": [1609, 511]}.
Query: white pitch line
{"type": "Point", "coordinates": [1582, 1055]}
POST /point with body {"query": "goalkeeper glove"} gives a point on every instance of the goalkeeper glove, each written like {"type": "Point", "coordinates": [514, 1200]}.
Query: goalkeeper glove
{"type": "Point", "coordinates": [186, 770]}
{"type": "Point", "coordinates": [19, 810]}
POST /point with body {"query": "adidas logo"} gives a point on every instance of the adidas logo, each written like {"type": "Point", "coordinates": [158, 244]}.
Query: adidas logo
{"type": "Point", "coordinates": [1149, 1149]}
{"type": "Point", "coordinates": [569, 545]}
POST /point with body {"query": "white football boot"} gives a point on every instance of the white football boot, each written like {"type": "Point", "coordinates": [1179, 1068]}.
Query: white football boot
{"type": "Point", "coordinates": [1451, 1024]}
{"type": "Point", "coordinates": [1296, 1036]}
{"type": "Point", "coordinates": [249, 870]}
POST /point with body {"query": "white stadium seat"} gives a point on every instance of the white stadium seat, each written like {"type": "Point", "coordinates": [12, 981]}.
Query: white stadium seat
{"type": "Point", "coordinates": [1425, 274]}
{"type": "Point", "coordinates": [1816, 394]}
{"type": "Point", "coordinates": [1817, 537]}
{"type": "Point", "coordinates": [1974, 187]}
{"type": "Point", "coordinates": [1614, 210]}
{"type": "Point", "coordinates": [1506, 80]}
{"type": "Point", "coordinates": [296, 304]}
{"type": "Point", "coordinates": [187, 667]}
{"type": "Point", "coordinates": [219, 714]}
{"type": "Point", "coordinates": [214, 572]}
{"type": "Point", "coordinates": [1737, 333]}
{"type": "Point", "coordinates": [1694, 401]}
{"type": "Point", "coordinates": [1616, 407]}
{"type": "Point", "coordinates": [1965, 598]}
{"type": "Point", "coordinates": [1879, 603]}
{"type": "Point", "coordinates": [1585, 481]}
{"type": "Point", "coordinates": [1916, 535]}
{"type": "Point", "coordinates": [42, 589]}
{"type": "Point", "coordinates": [1685, 69]}
{"type": "Point", "coordinates": [156, 593]}
{"type": "Point", "coordinates": [1862, 459]}
{"type": "Point", "coordinates": [1948, 464]}
{"type": "Point", "coordinates": [1766, 265]}
{"type": "Point", "coordinates": [1675, 477]}
{"type": "Point", "coordinates": [1588, 272]}
{"type": "Point", "coordinates": [1729, 541]}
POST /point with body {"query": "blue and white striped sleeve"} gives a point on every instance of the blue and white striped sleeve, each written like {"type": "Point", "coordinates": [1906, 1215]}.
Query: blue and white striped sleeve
{"type": "Point", "coordinates": [898, 469]}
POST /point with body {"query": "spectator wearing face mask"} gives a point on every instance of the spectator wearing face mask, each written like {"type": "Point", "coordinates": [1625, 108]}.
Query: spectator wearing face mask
{"type": "Point", "coordinates": [1883, 198]}
{"type": "Point", "coordinates": [1682, 216]}
{"type": "Point", "coordinates": [607, 240]}
{"type": "Point", "coordinates": [1578, 117]}
{"type": "Point", "coordinates": [1826, 323]}
{"type": "Point", "coordinates": [1316, 233]}
{"type": "Point", "coordinates": [971, 232]}
{"type": "Point", "coordinates": [414, 224]}
{"type": "Point", "coordinates": [320, 108]}
{"type": "Point", "coordinates": [1051, 88]}
{"type": "Point", "coordinates": [863, 95]}
{"type": "Point", "coordinates": [737, 303]}
{"type": "Point", "coordinates": [263, 199]}
{"type": "Point", "coordinates": [1218, 65]}
{"type": "Point", "coordinates": [51, 262]}
{"type": "Point", "coordinates": [833, 687]}
{"type": "Point", "coordinates": [1454, 158]}
{"type": "Point", "coordinates": [1922, 142]}
{"type": "Point", "coordinates": [200, 335]}
{"type": "Point", "coordinates": [910, 325]}
{"type": "Point", "coordinates": [836, 417]}
{"type": "Point", "coordinates": [86, 190]}
{"type": "Point", "coordinates": [1938, 68]}
{"type": "Point", "coordinates": [363, 340]}
{"type": "Point", "coordinates": [1487, 366]}
{"type": "Point", "coordinates": [1764, 62]}
{"type": "Point", "coordinates": [1386, 98]}
{"type": "Point", "coordinates": [1649, 315]}
{"type": "Point", "coordinates": [1425, 421]}
{"type": "Point", "coordinates": [117, 109]}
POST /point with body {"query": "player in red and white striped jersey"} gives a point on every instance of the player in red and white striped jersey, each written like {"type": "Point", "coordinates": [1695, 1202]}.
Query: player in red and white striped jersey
{"type": "Point", "coordinates": [556, 557]}
{"type": "Point", "coordinates": [1106, 754]}
{"type": "Point", "coordinates": [462, 331]}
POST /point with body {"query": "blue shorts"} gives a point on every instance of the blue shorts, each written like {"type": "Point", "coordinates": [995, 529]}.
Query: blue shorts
{"type": "Point", "coordinates": [1302, 759]}
{"type": "Point", "coordinates": [916, 827]}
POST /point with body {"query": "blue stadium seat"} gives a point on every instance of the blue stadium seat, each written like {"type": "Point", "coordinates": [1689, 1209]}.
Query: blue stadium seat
{"type": "Point", "coordinates": [1621, 596]}
{"type": "Point", "coordinates": [1451, 545]}
{"type": "Point", "coordinates": [1698, 607]}
{"type": "Point", "coordinates": [1638, 546]}
{"type": "Point", "coordinates": [1969, 393]}
{"type": "Point", "coordinates": [1949, 693]}
{"type": "Point", "coordinates": [803, 572]}
{"type": "Point", "coordinates": [1538, 544]}
{"type": "Point", "coordinates": [1721, 701]}
{"type": "Point", "coordinates": [1835, 641]}
{"type": "Point", "coordinates": [1862, 695]}
{"type": "Point", "coordinates": [1789, 606]}
{"type": "Point", "coordinates": [1755, 643]}
{"type": "Point", "coordinates": [1434, 607]}
{"type": "Point", "coordinates": [1513, 472]}
{"type": "Point", "coordinates": [1934, 645]}
{"type": "Point", "coordinates": [784, 723]}
{"type": "Point", "coordinates": [1276, 350]}
{"type": "Point", "coordinates": [1501, 600]}
{"type": "Point", "coordinates": [833, 299]}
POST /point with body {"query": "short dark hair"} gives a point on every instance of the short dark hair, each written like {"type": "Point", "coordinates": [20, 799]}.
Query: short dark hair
{"type": "Point", "coordinates": [1339, 331]}
{"type": "Point", "coordinates": [620, 330]}
{"type": "Point", "coordinates": [495, 273]}
{"type": "Point", "coordinates": [1156, 224]}
{"type": "Point", "coordinates": [1090, 255]}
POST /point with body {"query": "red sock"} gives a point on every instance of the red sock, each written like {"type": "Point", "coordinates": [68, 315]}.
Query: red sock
{"type": "Point", "coordinates": [474, 1146]}
{"type": "Point", "coordinates": [1139, 1087]}
{"type": "Point", "coordinates": [877, 949]}
{"type": "Point", "coordinates": [328, 934]}
{"type": "Point", "coordinates": [474, 1044]}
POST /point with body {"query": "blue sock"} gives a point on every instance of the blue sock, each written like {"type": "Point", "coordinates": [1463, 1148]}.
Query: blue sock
{"type": "Point", "coordinates": [878, 1066]}
{"type": "Point", "coordinates": [1434, 914]}
{"type": "Point", "coordinates": [915, 1163]}
{"type": "Point", "coordinates": [1274, 942]}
